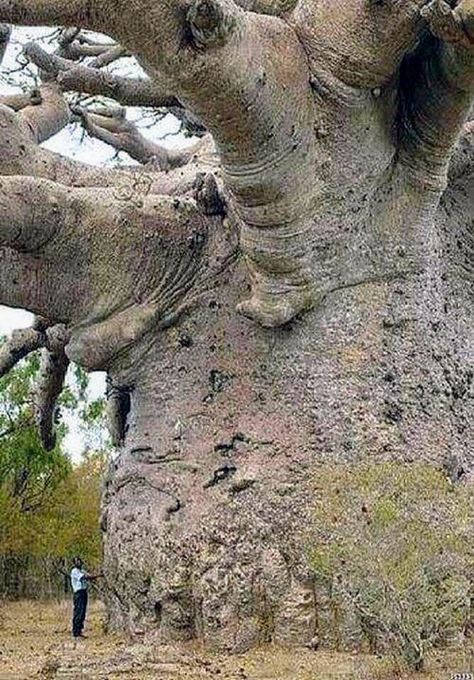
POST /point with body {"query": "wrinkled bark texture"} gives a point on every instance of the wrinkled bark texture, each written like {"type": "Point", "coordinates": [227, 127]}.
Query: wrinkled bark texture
{"type": "Point", "coordinates": [298, 289]}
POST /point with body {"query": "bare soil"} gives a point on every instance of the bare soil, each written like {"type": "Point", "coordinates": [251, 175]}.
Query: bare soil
{"type": "Point", "coordinates": [35, 642]}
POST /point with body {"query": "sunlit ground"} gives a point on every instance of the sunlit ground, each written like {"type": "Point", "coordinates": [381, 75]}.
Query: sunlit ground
{"type": "Point", "coordinates": [35, 642]}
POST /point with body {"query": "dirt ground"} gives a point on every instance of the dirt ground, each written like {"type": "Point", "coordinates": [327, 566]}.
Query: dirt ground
{"type": "Point", "coordinates": [35, 643]}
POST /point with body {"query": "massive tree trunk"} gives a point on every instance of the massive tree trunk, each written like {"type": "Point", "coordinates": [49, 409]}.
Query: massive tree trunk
{"type": "Point", "coordinates": [311, 304]}
{"type": "Point", "coordinates": [208, 511]}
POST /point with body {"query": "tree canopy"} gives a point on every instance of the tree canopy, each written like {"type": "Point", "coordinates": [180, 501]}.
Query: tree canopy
{"type": "Point", "coordinates": [49, 505]}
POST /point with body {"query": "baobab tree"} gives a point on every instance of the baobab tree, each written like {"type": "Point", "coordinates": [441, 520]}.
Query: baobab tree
{"type": "Point", "coordinates": [296, 288]}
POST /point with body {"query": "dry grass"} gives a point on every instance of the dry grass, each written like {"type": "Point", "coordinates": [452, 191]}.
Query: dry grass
{"type": "Point", "coordinates": [35, 642]}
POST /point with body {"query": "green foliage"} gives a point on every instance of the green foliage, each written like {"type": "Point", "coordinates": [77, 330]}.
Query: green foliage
{"type": "Point", "coordinates": [69, 523]}
{"type": "Point", "coordinates": [82, 380]}
{"type": "Point", "coordinates": [27, 472]}
{"type": "Point", "coordinates": [397, 541]}
{"type": "Point", "coordinates": [15, 395]}
{"type": "Point", "coordinates": [48, 506]}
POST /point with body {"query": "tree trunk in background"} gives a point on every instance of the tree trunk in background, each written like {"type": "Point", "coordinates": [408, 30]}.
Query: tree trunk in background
{"type": "Point", "coordinates": [31, 578]}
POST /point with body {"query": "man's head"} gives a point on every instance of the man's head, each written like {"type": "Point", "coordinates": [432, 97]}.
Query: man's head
{"type": "Point", "coordinates": [77, 562]}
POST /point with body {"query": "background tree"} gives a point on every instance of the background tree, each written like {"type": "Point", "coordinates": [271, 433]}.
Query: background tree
{"type": "Point", "coordinates": [324, 204]}
{"type": "Point", "coordinates": [28, 473]}
{"type": "Point", "coordinates": [49, 508]}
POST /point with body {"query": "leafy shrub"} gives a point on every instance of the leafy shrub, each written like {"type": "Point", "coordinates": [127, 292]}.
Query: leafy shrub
{"type": "Point", "coordinates": [398, 541]}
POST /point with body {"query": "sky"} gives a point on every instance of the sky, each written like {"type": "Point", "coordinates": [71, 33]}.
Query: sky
{"type": "Point", "coordinates": [71, 142]}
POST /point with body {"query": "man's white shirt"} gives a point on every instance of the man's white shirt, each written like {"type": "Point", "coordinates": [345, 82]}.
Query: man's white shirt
{"type": "Point", "coordinates": [78, 580]}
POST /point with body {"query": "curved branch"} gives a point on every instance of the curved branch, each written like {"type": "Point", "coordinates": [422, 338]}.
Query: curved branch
{"type": "Point", "coordinates": [437, 89]}
{"type": "Point", "coordinates": [62, 233]}
{"type": "Point", "coordinates": [49, 13]}
{"type": "Point", "coordinates": [107, 57]}
{"type": "Point", "coordinates": [50, 116]}
{"type": "Point", "coordinates": [118, 408]}
{"type": "Point", "coordinates": [53, 369]}
{"type": "Point", "coordinates": [19, 101]}
{"type": "Point", "coordinates": [246, 77]}
{"type": "Point", "coordinates": [18, 346]}
{"type": "Point", "coordinates": [80, 78]}
{"type": "Point", "coordinates": [111, 127]}
{"type": "Point", "coordinates": [361, 43]}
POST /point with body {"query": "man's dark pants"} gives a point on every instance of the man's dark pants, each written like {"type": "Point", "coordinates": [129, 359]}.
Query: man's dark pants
{"type": "Point", "coordinates": [80, 608]}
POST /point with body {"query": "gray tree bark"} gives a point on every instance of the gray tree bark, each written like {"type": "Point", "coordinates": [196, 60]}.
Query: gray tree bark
{"type": "Point", "coordinates": [296, 290]}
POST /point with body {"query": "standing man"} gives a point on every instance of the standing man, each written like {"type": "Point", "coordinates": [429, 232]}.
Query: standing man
{"type": "Point", "coordinates": [79, 580]}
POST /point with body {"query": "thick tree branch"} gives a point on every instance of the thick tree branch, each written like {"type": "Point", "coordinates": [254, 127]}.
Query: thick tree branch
{"type": "Point", "coordinates": [118, 408]}
{"type": "Point", "coordinates": [49, 117]}
{"type": "Point", "coordinates": [80, 78]}
{"type": "Point", "coordinates": [437, 89]}
{"type": "Point", "coordinates": [111, 126]}
{"type": "Point", "coordinates": [49, 13]}
{"type": "Point", "coordinates": [53, 368]}
{"type": "Point", "coordinates": [246, 77]}
{"type": "Point", "coordinates": [125, 91]}
{"type": "Point", "coordinates": [19, 101]}
{"type": "Point", "coordinates": [19, 345]}
{"type": "Point", "coordinates": [149, 181]}
{"type": "Point", "coordinates": [360, 43]}
{"type": "Point", "coordinates": [85, 245]}
{"type": "Point", "coordinates": [22, 156]}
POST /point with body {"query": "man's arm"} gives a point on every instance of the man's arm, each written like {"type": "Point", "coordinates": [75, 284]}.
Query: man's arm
{"type": "Point", "coordinates": [93, 576]}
